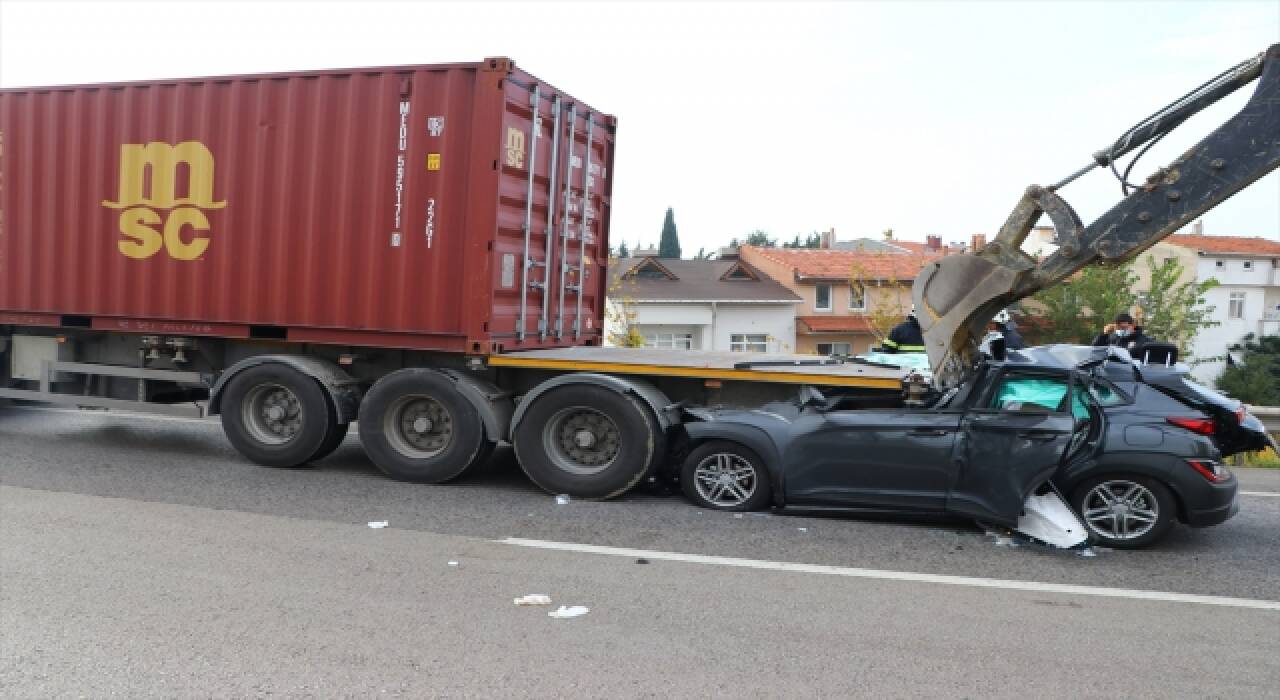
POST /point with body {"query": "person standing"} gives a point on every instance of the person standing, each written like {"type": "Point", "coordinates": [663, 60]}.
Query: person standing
{"type": "Point", "coordinates": [1121, 333]}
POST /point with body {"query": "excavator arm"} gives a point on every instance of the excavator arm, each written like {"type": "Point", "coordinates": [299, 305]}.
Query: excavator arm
{"type": "Point", "coordinates": [957, 295]}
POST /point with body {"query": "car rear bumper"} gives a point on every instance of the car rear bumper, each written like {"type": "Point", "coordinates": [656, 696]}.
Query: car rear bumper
{"type": "Point", "coordinates": [1213, 504]}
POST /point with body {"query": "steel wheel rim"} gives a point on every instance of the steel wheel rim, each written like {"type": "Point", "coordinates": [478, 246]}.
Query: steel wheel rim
{"type": "Point", "coordinates": [581, 440]}
{"type": "Point", "coordinates": [1120, 509]}
{"type": "Point", "coordinates": [725, 479]}
{"type": "Point", "coordinates": [418, 426]}
{"type": "Point", "coordinates": [272, 413]}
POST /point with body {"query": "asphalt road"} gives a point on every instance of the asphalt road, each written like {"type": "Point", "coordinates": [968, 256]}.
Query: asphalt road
{"type": "Point", "coordinates": [142, 557]}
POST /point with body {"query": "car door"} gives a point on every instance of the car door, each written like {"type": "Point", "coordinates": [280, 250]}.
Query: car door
{"type": "Point", "coordinates": [1010, 441]}
{"type": "Point", "coordinates": [891, 459]}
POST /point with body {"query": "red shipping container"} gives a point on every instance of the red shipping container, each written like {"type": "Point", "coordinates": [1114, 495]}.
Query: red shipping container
{"type": "Point", "coordinates": [376, 206]}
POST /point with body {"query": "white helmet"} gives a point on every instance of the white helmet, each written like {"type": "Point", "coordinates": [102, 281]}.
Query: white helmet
{"type": "Point", "coordinates": [1002, 317]}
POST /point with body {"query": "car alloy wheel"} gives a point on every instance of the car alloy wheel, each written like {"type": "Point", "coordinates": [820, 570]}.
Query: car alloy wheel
{"type": "Point", "coordinates": [725, 479]}
{"type": "Point", "coordinates": [1120, 509]}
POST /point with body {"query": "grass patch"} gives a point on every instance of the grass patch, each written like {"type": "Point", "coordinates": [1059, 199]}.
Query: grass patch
{"type": "Point", "coordinates": [1266, 459]}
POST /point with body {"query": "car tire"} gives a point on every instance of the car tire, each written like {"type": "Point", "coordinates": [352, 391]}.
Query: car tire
{"type": "Point", "coordinates": [417, 427]}
{"type": "Point", "coordinates": [1124, 511]}
{"type": "Point", "coordinates": [276, 416]}
{"type": "Point", "coordinates": [725, 476]}
{"type": "Point", "coordinates": [588, 442]}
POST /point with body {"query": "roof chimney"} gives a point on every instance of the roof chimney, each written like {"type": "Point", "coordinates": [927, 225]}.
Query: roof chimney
{"type": "Point", "coordinates": [1198, 227]}
{"type": "Point", "coordinates": [933, 243]}
{"type": "Point", "coordinates": [827, 239]}
{"type": "Point", "coordinates": [978, 242]}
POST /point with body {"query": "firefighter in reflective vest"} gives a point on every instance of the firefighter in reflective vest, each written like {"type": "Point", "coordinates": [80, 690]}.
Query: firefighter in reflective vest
{"type": "Point", "coordinates": [906, 336]}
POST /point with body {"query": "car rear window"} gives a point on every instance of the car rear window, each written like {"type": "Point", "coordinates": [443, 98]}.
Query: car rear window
{"type": "Point", "coordinates": [1208, 395]}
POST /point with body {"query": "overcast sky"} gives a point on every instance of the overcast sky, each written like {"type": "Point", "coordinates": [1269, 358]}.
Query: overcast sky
{"type": "Point", "coordinates": [928, 118]}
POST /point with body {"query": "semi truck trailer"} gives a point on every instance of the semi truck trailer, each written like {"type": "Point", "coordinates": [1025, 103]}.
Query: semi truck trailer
{"type": "Point", "coordinates": [419, 248]}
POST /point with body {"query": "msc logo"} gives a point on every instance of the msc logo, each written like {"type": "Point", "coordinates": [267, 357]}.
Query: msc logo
{"type": "Point", "coordinates": [146, 231]}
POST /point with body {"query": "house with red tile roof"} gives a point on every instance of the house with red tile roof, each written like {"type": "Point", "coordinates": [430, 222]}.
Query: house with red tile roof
{"type": "Point", "coordinates": [699, 305]}
{"type": "Point", "coordinates": [1246, 300]}
{"type": "Point", "coordinates": [843, 291]}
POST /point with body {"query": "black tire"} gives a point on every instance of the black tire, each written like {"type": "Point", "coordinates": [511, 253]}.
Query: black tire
{"type": "Point", "coordinates": [743, 492]}
{"type": "Point", "coordinates": [627, 442]}
{"type": "Point", "coordinates": [451, 437]}
{"type": "Point", "coordinates": [301, 435]}
{"type": "Point", "coordinates": [332, 441]}
{"type": "Point", "coordinates": [1149, 496]}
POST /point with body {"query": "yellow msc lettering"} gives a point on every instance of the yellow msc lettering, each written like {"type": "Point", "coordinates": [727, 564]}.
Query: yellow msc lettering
{"type": "Point", "coordinates": [162, 160]}
{"type": "Point", "coordinates": [179, 249]}
{"type": "Point", "coordinates": [136, 223]}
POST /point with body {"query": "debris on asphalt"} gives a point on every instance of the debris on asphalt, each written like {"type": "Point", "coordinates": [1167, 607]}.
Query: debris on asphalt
{"type": "Point", "coordinates": [378, 524]}
{"type": "Point", "coordinates": [739, 515]}
{"type": "Point", "coordinates": [1003, 539]}
{"type": "Point", "coordinates": [562, 499]}
{"type": "Point", "coordinates": [803, 529]}
{"type": "Point", "coordinates": [567, 611]}
{"type": "Point", "coordinates": [453, 563]}
{"type": "Point", "coordinates": [1086, 552]}
{"type": "Point", "coordinates": [533, 599]}
{"type": "Point", "coordinates": [642, 561]}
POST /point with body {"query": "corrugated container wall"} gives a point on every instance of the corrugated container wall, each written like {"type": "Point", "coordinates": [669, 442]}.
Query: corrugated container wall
{"type": "Point", "coordinates": [383, 207]}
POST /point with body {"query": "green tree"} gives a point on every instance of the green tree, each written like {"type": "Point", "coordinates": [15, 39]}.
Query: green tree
{"type": "Point", "coordinates": [1171, 311]}
{"type": "Point", "coordinates": [1168, 311]}
{"type": "Point", "coordinates": [813, 240]}
{"type": "Point", "coordinates": [1076, 310]}
{"type": "Point", "coordinates": [1255, 379]}
{"type": "Point", "coordinates": [623, 251]}
{"type": "Point", "coordinates": [760, 239]}
{"type": "Point", "coordinates": [669, 244]}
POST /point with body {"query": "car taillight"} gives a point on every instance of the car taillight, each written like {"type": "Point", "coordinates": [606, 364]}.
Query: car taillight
{"type": "Point", "coordinates": [1203, 426]}
{"type": "Point", "coordinates": [1210, 470]}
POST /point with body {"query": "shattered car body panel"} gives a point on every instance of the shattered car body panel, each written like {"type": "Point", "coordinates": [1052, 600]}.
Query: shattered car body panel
{"type": "Point", "coordinates": [1047, 518]}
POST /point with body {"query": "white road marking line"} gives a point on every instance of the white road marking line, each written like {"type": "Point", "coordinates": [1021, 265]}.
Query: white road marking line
{"type": "Point", "coordinates": [1035, 586]}
{"type": "Point", "coordinates": [1273, 494]}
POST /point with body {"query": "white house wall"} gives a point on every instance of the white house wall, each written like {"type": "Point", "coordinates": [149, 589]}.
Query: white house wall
{"type": "Point", "coordinates": [712, 329]}
{"type": "Point", "coordinates": [778, 321]}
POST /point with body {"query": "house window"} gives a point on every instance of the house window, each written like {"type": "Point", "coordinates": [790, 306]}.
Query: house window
{"type": "Point", "coordinates": [822, 297]}
{"type": "Point", "coordinates": [1235, 307]}
{"type": "Point", "coordinates": [857, 298]}
{"type": "Point", "coordinates": [748, 342]}
{"type": "Point", "coordinates": [835, 349]}
{"type": "Point", "coordinates": [675, 341]}
{"type": "Point", "coordinates": [1248, 264]}
{"type": "Point", "coordinates": [1219, 265]}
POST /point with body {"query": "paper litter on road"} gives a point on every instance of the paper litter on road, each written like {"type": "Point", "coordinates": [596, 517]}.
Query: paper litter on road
{"type": "Point", "coordinates": [567, 611]}
{"type": "Point", "coordinates": [533, 599]}
{"type": "Point", "coordinates": [453, 563]}
{"type": "Point", "coordinates": [803, 529]}
{"type": "Point", "coordinates": [562, 499]}
{"type": "Point", "coordinates": [378, 524]}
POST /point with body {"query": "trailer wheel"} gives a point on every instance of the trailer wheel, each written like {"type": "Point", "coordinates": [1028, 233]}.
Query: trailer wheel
{"type": "Point", "coordinates": [332, 440]}
{"type": "Point", "coordinates": [416, 427]}
{"type": "Point", "coordinates": [276, 416]}
{"type": "Point", "coordinates": [588, 441]}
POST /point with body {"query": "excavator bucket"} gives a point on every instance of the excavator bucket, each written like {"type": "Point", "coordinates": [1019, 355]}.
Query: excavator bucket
{"type": "Point", "coordinates": [954, 298]}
